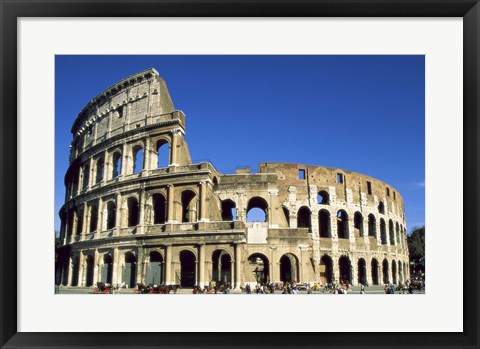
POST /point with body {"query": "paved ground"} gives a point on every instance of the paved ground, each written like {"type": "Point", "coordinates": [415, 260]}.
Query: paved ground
{"type": "Point", "coordinates": [88, 290]}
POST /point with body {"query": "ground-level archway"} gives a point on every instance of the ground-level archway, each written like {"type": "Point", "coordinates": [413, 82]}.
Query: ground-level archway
{"type": "Point", "coordinates": [385, 271]}
{"type": "Point", "coordinates": [345, 268]}
{"type": "Point", "coordinates": [326, 270]}
{"type": "Point", "coordinates": [400, 273]}
{"type": "Point", "coordinates": [106, 274]}
{"type": "Point", "coordinates": [394, 272]}
{"type": "Point", "coordinates": [154, 272]}
{"type": "Point", "coordinates": [259, 267]}
{"type": "Point", "coordinates": [375, 272]}
{"type": "Point", "coordinates": [362, 271]}
{"type": "Point", "coordinates": [187, 269]}
{"type": "Point", "coordinates": [129, 270]}
{"type": "Point", "coordinates": [221, 267]}
{"type": "Point", "coordinates": [289, 268]}
{"type": "Point", "coordinates": [89, 271]}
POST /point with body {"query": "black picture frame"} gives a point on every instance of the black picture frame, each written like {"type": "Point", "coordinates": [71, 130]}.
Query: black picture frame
{"type": "Point", "coordinates": [11, 10]}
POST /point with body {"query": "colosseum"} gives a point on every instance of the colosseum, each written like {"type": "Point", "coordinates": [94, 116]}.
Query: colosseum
{"type": "Point", "coordinates": [137, 210]}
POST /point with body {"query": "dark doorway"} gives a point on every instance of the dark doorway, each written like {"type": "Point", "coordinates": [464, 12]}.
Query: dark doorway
{"type": "Point", "coordinates": [222, 266]}
{"type": "Point", "coordinates": [362, 271]}
{"type": "Point", "coordinates": [345, 269]}
{"type": "Point", "coordinates": [374, 271]}
{"type": "Point", "coordinates": [187, 269]}
{"type": "Point", "coordinates": [326, 270]}
{"type": "Point", "coordinates": [90, 267]}
{"type": "Point", "coordinates": [288, 268]}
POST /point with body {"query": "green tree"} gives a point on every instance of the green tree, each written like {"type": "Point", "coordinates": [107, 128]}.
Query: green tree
{"type": "Point", "coordinates": [416, 248]}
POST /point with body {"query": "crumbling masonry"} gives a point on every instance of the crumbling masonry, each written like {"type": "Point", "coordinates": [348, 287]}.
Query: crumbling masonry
{"type": "Point", "coordinates": [137, 210]}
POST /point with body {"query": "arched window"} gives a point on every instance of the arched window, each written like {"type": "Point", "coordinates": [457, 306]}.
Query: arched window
{"type": "Point", "coordinates": [381, 208]}
{"type": "Point", "coordinates": [383, 231]}
{"type": "Point", "coordinates": [163, 156]}
{"type": "Point", "coordinates": [397, 233]}
{"type": "Point", "coordinates": [86, 176]}
{"type": "Point", "coordinates": [137, 159]}
{"type": "Point", "coordinates": [358, 223]}
{"type": "Point", "coordinates": [323, 198]}
{"type": "Point", "coordinates": [342, 224]}
{"type": "Point", "coordinates": [189, 206]}
{"type": "Point", "coordinates": [324, 224]}
{"type": "Point", "coordinates": [93, 217]}
{"type": "Point", "coordinates": [391, 232]}
{"type": "Point", "coordinates": [304, 218]}
{"type": "Point", "coordinates": [228, 210]}
{"type": "Point", "coordinates": [99, 174]}
{"type": "Point", "coordinates": [132, 212]}
{"type": "Point", "coordinates": [111, 215]}
{"type": "Point", "coordinates": [79, 221]}
{"type": "Point", "coordinates": [159, 209]}
{"type": "Point", "coordinates": [372, 226]}
{"type": "Point", "coordinates": [257, 210]}
{"type": "Point", "coordinates": [117, 164]}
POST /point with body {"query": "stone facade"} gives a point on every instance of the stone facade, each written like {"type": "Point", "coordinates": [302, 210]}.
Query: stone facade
{"type": "Point", "coordinates": [137, 210]}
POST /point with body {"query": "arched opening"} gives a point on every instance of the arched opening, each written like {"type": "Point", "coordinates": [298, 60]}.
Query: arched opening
{"type": "Point", "coordinates": [304, 219]}
{"type": "Point", "coordinates": [383, 231]}
{"type": "Point", "coordinates": [324, 224]}
{"type": "Point", "coordinates": [189, 206]}
{"type": "Point", "coordinates": [326, 270]}
{"type": "Point", "coordinates": [400, 273]}
{"type": "Point", "coordinates": [229, 213]}
{"type": "Point", "coordinates": [79, 222]}
{"type": "Point", "coordinates": [132, 204]}
{"type": "Point", "coordinates": [111, 215]}
{"type": "Point", "coordinates": [259, 266]}
{"type": "Point", "coordinates": [106, 274]}
{"type": "Point", "coordinates": [288, 268]}
{"type": "Point", "coordinates": [385, 272]}
{"type": "Point", "coordinates": [137, 159]}
{"type": "Point", "coordinates": [187, 269]}
{"type": "Point", "coordinates": [372, 226]}
{"type": "Point", "coordinates": [286, 213]}
{"type": "Point", "coordinates": [89, 272]}
{"type": "Point", "coordinates": [397, 233]}
{"type": "Point", "coordinates": [163, 154]}
{"type": "Point", "coordinates": [86, 176]}
{"type": "Point", "coordinates": [391, 232]}
{"type": "Point", "coordinates": [99, 173]}
{"type": "Point", "coordinates": [159, 209]}
{"type": "Point", "coordinates": [257, 210]}
{"type": "Point", "coordinates": [75, 270]}
{"type": "Point", "coordinates": [154, 273]}
{"type": "Point", "coordinates": [117, 164]}
{"type": "Point", "coordinates": [358, 223]}
{"type": "Point", "coordinates": [129, 270]}
{"type": "Point", "coordinates": [323, 198]}
{"type": "Point", "coordinates": [405, 271]}
{"type": "Point", "coordinates": [342, 224]}
{"type": "Point", "coordinates": [93, 217]}
{"type": "Point", "coordinates": [375, 272]}
{"type": "Point", "coordinates": [221, 267]}
{"type": "Point", "coordinates": [394, 272]}
{"type": "Point", "coordinates": [381, 207]}
{"type": "Point", "coordinates": [345, 268]}
{"type": "Point", "coordinates": [362, 271]}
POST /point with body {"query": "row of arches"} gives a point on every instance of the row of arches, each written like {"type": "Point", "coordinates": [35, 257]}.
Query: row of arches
{"type": "Point", "coordinates": [394, 272]}
{"type": "Point", "coordinates": [86, 176]}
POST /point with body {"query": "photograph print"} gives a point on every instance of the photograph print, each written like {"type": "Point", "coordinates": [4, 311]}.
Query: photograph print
{"type": "Point", "coordinates": [240, 174]}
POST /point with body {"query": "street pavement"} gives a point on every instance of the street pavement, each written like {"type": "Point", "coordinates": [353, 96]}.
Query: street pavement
{"type": "Point", "coordinates": [353, 290]}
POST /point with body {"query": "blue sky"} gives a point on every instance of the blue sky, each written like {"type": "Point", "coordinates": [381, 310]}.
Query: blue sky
{"type": "Point", "coordinates": [360, 113]}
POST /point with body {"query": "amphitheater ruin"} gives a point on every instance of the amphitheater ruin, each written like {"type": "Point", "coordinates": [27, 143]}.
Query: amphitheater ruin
{"type": "Point", "coordinates": [137, 210]}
